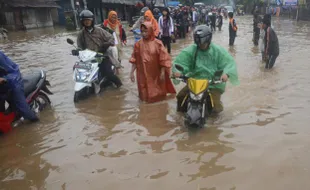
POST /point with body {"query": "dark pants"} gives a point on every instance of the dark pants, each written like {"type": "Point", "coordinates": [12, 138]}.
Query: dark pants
{"type": "Point", "coordinates": [105, 69]}
{"type": "Point", "coordinates": [182, 31]}
{"type": "Point", "coordinates": [213, 26]}
{"type": "Point", "coordinates": [167, 42]}
{"type": "Point", "coordinates": [17, 101]}
{"type": "Point", "coordinates": [220, 27]}
{"type": "Point", "coordinates": [216, 96]}
{"type": "Point", "coordinates": [256, 37]}
{"type": "Point", "coordinates": [194, 24]}
{"type": "Point", "coordinates": [271, 61]}
{"type": "Point", "coordinates": [232, 36]}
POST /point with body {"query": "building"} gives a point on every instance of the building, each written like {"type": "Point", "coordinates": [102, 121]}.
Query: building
{"type": "Point", "coordinates": [124, 8]}
{"type": "Point", "coordinates": [173, 3]}
{"type": "Point", "coordinates": [27, 14]}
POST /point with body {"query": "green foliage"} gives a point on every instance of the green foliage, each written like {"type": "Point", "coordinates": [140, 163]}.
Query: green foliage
{"type": "Point", "coordinates": [69, 23]}
{"type": "Point", "coordinates": [69, 20]}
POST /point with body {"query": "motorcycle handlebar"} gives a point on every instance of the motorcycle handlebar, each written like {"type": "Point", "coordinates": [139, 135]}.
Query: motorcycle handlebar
{"type": "Point", "coordinates": [184, 78]}
{"type": "Point", "coordinates": [99, 55]}
{"type": "Point", "coordinates": [75, 52]}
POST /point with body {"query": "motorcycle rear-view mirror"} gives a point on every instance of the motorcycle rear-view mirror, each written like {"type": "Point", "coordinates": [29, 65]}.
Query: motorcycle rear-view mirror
{"type": "Point", "coordinates": [179, 67]}
{"type": "Point", "coordinates": [69, 41]}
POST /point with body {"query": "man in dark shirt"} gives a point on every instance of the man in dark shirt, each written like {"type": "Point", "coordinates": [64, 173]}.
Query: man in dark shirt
{"type": "Point", "coordinates": [180, 24]}
{"type": "Point", "coordinates": [271, 43]}
{"type": "Point", "coordinates": [232, 29]}
{"type": "Point", "coordinates": [213, 21]}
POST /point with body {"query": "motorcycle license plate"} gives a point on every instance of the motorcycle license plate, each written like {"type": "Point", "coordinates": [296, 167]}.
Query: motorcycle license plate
{"type": "Point", "coordinates": [83, 66]}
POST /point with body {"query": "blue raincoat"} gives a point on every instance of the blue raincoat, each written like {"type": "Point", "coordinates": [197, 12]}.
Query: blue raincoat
{"type": "Point", "coordinates": [15, 84]}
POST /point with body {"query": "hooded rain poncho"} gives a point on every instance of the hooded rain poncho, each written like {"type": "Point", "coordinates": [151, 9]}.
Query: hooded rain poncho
{"type": "Point", "coordinates": [150, 56]}
{"type": "Point", "coordinates": [153, 21]}
{"type": "Point", "coordinates": [207, 63]}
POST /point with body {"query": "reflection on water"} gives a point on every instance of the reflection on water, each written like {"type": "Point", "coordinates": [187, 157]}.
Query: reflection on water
{"type": "Point", "coordinates": [113, 141]}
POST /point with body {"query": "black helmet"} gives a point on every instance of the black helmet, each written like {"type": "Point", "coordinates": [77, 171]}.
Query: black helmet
{"type": "Point", "coordinates": [143, 10]}
{"type": "Point", "coordinates": [202, 35]}
{"type": "Point", "coordinates": [86, 14]}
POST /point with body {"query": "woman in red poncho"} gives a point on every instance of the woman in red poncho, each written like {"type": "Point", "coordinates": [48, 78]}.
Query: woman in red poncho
{"type": "Point", "coordinates": [152, 62]}
{"type": "Point", "coordinates": [115, 25]}
{"type": "Point", "coordinates": [149, 18]}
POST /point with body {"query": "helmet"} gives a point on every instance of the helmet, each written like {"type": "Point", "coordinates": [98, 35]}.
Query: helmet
{"type": "Point", "coordinates": [143, 10]}
{"type": "Point", "coordinates": [156, 10]}
{"type": "Point", "coordinates": [86, 14]}
{"type": "Point", "coordinates": [202, 35]}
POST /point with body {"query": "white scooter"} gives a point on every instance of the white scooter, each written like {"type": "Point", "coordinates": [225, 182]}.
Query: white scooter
{"type": "Point", "coordinates": [86, 73]}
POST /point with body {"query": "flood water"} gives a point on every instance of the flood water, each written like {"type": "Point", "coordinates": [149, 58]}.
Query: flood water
{"type": "Point", "coordinates": [114, 142]}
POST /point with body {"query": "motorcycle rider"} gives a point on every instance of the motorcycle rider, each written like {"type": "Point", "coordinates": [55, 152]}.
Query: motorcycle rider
{"type": "Point", "coordinates": [138, 23]}
{"type": "Point", "coordinates": [11, 79]}
{"type": "Point", "coordinates": [98, 40]}
{"type": "Point", "coordinates": [200, 61]}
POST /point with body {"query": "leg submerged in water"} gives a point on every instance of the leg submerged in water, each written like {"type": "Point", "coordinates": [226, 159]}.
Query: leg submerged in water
{"type": "Point", "coordinates": [181, 105]}
{"type": "Point", "coordinates": [218, 105]}
{"type": "Point", "coordinates": [106, 70]}
{"type": "Point", "coordinates": [271, 61]}
{"type": "Point", "coordinates": [21, 105]}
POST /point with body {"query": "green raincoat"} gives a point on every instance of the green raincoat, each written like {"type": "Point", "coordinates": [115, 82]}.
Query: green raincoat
{"type": "Point", "coordinates": [207, 63]}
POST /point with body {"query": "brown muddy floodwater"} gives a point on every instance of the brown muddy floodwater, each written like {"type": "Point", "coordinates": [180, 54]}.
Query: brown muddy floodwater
{"type": "Point", "coordinates": [114, 142]}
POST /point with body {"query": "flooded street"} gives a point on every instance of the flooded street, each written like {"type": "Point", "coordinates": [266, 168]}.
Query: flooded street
{"type": "Point", "coordinates": [114, 142]}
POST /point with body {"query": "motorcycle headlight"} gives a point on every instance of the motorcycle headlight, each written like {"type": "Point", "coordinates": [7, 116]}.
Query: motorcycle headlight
{"type": "Point", "coordinates": [196, 97]}
{"type": "Point", "coordinates": [81, 75]}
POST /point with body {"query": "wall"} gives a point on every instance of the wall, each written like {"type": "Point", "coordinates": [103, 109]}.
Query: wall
{"type": "Point", "coordinates": [55, 16]}
{"type": "Point", "coordinates": [9, 20]}
{"type": "Point", "coordinates": [304, 14]}
{"type": "Point", "coordinates": [37, 18]}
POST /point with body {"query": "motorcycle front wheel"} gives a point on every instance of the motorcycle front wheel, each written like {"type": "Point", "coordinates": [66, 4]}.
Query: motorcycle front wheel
{"type": "Point", "coordinates": [77, 96]}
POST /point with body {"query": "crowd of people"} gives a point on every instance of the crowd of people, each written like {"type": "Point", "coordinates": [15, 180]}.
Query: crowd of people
{"type": "Point", "coordinates": [152, 66]}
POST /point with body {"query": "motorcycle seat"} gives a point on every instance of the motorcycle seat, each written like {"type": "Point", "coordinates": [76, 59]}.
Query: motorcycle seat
{"type": "Point", "coordinates": [31, 81]}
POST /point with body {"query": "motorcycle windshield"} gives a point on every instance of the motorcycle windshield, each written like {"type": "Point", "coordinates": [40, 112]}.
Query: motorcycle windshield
{"type": "Point", "coordinates": [197, 86]}
{"type": "Point", "coordinates": [87, 55]}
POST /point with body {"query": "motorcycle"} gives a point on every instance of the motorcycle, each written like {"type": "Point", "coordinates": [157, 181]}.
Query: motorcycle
{"type": "Point", "coordinates": [36, 93]}
{"type": "Point", "coordinates": [86, 73]}
{"type": "Point", "coordinates": [199, 99]}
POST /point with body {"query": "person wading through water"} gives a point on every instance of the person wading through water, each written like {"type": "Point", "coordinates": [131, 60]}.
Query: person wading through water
{"type": "Point", "coordinates": [152, 64]}
{"type": "Point", "coordinates": [166, 28]}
